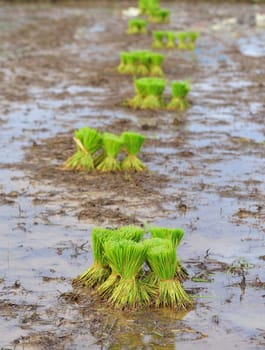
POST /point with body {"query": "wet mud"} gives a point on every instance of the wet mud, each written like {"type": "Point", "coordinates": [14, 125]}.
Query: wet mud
{"type": "Point", "coordinates": [206, 174]}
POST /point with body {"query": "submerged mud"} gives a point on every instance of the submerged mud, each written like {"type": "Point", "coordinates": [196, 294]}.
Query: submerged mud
{"type": "Point", "coordinates": [206, 174]}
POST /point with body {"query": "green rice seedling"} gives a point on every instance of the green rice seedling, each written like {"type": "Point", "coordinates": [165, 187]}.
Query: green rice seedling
{"type": "Point", "coordinates": [134, 62]}
{"type": "Point", "coordinates": [186, 40]}
{"type": "Point", "coordinates": [142, 63]}
{"type": "Point", "coordinates": [112, 145]}
{"type": "Point", "coordinates": [151, 278]}
{"type": "Point", "coordinates": [159, 15]}
{"type": "Point", "coordinates": [193, 36]}
{"type": "Point", "coordinates": [146, 6]}
{"type": "Point", "coordinates": [132, 144]}
{"type": "Point", "coordinates": [155, 88]}
{"type": "Point", "coordinates": [155, 62]}
{"type": "Point", "coordinates": [141, 93]}
{"type": "Point", "coordinates": [126, 258]}
{"type": "Point", "coordinates": [132, 233]}
{"type": "Point", "coordinates": [159, 37]}
{"type": "Point", "coordinates": [171, 40]}
{"type": "Point", "coordinates": [123, 62]}
{"type": "Point", "coordinates": [136, 26]}
{"type": "Point", "coordinates": [88, 142]}
{"type": "Point", "coordinates": [169, 291]}
{"type": "Point", "coordinates": [99, 271]}
{"type": "Point", "coordinates": [182, 40]}
{"type": "Point", "coordinates": [180, 90]}
{"type": "Point", "coordinates": [175, 235]}
{"type": "Point", "coordinates": [131, 60]}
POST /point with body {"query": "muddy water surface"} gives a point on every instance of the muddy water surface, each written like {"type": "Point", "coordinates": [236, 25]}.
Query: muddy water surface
{"type": "Point", "coordinates": [57, 73]}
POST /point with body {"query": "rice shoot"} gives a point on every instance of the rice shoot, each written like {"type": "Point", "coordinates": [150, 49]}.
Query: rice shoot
{"type": "Point", "coordinates": [158, 39]}
{"type": "Point", "coordinates": [147, 6]}
{"type": "Point", "coordinates": [180, 90]}
{"type": "Point", "coordinates": [112, 145]}
{"type": "Point", "coordinates": [159, 15]}
{"type": "Point", "coordinates": [169, 291]}
{"type": "Point", "coordinates": [126, 258]}
{"type": "Point", "coordinates": [141, 63]}
{"type": "Point", "coordinates": [186, 40]}
{"type": "Point", "coordinates": [99, 271]}
{"type": "Point", "coordinates": [175, 235]}
{"type": "Point", "coordinates": [132, 144]}
{"type": "Point", "coordinates": [88, 142]}
{"type": "Point", "coordinates": [149, 93]}
{"type": "Point", "coordinates": [136, 26]}
{"type": "Point", "coordinates": [171, 40]}
{"type": "Point", "coordinates": [155, 88]}
{"type": "Point", "coordinates": [156, 61]}
{"type": "Point", "coordinates": [130, 232]}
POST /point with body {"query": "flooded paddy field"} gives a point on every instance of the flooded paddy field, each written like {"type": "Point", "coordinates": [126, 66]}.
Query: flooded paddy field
{"type": "Point", "coordinates": [206, 174]}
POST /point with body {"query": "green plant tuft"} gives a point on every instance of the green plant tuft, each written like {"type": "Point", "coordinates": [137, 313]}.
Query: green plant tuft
{"type": "Point", "coordinates": [141, 63]}
{"type": "Point", "coordinates": [99, 271]}
{"type": "Point", "coordinates": [149, 93]}
{"type": "Point", "coordinates": [147, 6]}
{"type": "Point", "coordinates": [159, 15]}
{"type": "Point", "coordinates": [180, 90]}
{"type": "Point", "coordinates": [136, 26]}
{"type": "Point", "coordinates": [169, 291]}
{"type": "Point", "coordinates": [175, 235]}
{"type": "Point", "coordinates": [88, 142]}
{"type": "Point", "coordinates": [156, 61]}
{"type": "Point", "coordinates": [159, 37]}
{"type": "Point", "coordinates": [171, 40]}
{"type": "Point", "coordinates": [112, 145]}
{"type": "Point", "coordinates": [126, 259]}
{"type": "Point", "coordinates": [132, 144]}
{"type": "Point", "coordinates": [186, 40]}
{"type": "Point", "coordinates": [129, 271]}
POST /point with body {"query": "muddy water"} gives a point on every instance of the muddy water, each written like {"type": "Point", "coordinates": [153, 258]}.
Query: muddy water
{"type": "Point", "coordinates": [57, 70]}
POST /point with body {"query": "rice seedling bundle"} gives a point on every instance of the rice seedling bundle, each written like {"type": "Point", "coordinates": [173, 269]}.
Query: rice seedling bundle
{"type": "Point", "coordinates": [193, 36]}
{"type": "Point", "coordinates": [123, 61]}
{"type": "Point", "coordinates": [133, 233]}
{"type": "Point", "coordinates": [100, 152]}
{"type": "Point", "coordinates": [159, 15]}
{"type": "Point", "coordinates": [132, 144]}
{"type": "Point", "coordinates": [141, 63]}
{"type": "Point", "coordinates": [99, 271]}
{"type": "Point", "coordinates": [149, 93]}
{"type": "Point", "coordinates": [129, 67]}
{"type": "Point", "coordinates": [174, 235]}
{"type": "Point", "coordinates": [159, 37]}
{"type": "Point", "coordinates": [121, 260]}
{"type": "Point", "coordinates": [112, 145]}
{"type": "Point", "coordinates": [126, 258]}
{"type": "Point", "coordinates": [147, 6]}
{"type": "Point", "coordinates": [171, 40]}
{"type": "Point", "coordinates": [155, 66]}
{"type": "Point", "coordinates": [136, 26]}
{"type": "Point", "coordinates": [187, 40]}
{"type": "Point", "coordinates": [180, 90]}
{"type": "Point", "coordinates": [88, 142]}
{"type": "Point", "coordinates": [169, 291]}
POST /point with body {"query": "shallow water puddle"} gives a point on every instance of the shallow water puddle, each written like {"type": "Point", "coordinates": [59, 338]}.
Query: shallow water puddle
{"type": "Point", "coordinates": [252, 46]}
